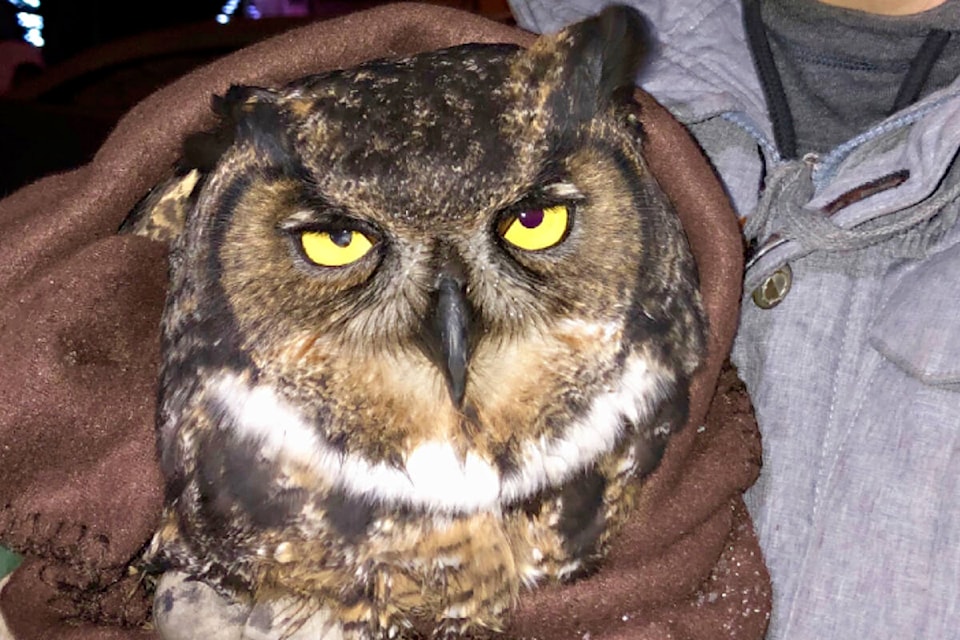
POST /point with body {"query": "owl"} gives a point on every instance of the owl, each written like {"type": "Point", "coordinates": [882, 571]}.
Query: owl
{"type": "Point", "coordinates": [431, 322]}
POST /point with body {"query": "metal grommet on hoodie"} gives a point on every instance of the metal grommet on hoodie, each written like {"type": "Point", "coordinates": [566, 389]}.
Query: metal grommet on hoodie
{"type": "Point", "coordinates": [774, 288]}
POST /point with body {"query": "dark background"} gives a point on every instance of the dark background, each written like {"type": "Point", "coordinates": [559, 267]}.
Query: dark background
{"type": "Point", "coordinates": [70, 26]}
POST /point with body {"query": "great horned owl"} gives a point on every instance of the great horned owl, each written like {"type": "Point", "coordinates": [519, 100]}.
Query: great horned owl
{"type": "Point", "coordinates": [430, 323]}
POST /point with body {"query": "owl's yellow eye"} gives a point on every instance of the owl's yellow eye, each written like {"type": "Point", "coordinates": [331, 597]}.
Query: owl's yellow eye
{"type": "Point", "coordinates": [335, 248]}
{"type": "Point", "coordinates": [536, 229]}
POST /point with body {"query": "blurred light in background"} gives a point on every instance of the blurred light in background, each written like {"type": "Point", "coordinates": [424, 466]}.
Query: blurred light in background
{"type": "Point", "coordinates": [228, 10]}
{"type": "Point", "coordinates": [29, 18]}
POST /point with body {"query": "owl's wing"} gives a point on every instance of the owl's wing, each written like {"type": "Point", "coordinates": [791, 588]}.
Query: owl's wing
{"type": "Point", "coordinates": [161, 213]}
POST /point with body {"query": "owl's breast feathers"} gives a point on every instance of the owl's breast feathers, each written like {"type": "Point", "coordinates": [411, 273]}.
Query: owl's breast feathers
{"type": "Point", "coordinates": [430, 324]}
{"type": "Point", "coordinates": [455, 524]}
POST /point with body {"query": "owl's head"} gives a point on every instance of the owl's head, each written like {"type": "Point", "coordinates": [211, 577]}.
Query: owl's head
{"type": "Point", "coordinates": [446, 281]}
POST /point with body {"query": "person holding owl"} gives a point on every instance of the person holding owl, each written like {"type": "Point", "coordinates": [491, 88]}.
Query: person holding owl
{"type": "Point", "coordinates": [834, 126]}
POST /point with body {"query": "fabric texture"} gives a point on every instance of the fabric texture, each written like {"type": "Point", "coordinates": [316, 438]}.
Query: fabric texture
{"type": "Point", "coordinates": [858, 505]}
{"type": "Point", "coordinates": [80, 493]}
{"type": "Point", "coordinates": [842, 69]}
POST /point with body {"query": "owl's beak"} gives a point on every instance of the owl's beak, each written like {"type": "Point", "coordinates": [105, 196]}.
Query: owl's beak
{"type": "Point", "coordinates": [452, 322]}
{"type": "Point", "coordinates": [445, 337]}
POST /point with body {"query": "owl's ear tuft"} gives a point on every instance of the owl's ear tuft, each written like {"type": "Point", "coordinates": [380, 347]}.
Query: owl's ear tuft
{"type": "Point", "coordinates": [246, 113]}
{"type": "Point", "coordinates": [598, 59]}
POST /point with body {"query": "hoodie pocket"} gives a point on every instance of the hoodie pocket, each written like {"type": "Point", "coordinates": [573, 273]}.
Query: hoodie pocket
{"type": "Point", "coordinates": [919, 326]}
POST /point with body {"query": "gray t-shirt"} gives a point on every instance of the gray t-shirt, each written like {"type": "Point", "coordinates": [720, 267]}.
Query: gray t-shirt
{"type": "Point", "coordinates": [841, 69]}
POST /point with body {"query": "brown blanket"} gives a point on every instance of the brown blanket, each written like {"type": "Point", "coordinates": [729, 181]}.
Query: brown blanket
{"type": "Point", "coordinates": [80, 493]}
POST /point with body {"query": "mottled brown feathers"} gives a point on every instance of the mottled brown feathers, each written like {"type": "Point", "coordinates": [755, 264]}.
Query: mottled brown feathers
{"type": "Point", "coordinates": [449, 416]}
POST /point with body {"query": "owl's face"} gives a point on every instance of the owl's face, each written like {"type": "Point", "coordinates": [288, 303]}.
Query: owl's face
{"type": "Point", "coordinates": [441, 285]}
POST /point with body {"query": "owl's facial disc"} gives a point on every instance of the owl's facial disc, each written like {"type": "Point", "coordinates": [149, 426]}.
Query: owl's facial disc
{"type": "Point", "coordinates": [446, 334]}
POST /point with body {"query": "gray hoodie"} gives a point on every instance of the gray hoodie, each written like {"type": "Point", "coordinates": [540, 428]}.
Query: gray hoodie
{"type": "Point", "coordinates": [851, 347]}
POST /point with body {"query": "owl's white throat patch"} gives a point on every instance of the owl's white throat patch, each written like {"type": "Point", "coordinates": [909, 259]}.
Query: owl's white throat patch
{"type": "Point", "coordinates": [433, 476]}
